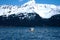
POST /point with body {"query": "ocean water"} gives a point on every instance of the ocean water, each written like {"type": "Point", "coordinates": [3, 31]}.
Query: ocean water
{"type": "Point", "coordinates": [25, 33]}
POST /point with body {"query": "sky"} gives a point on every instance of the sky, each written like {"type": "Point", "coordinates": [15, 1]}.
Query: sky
{"type": "Point", "coordinates": [20, 2]}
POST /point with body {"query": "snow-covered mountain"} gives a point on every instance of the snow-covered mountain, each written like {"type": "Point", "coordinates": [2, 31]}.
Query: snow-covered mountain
{"type": "Point", "coordinates": [43, 10]}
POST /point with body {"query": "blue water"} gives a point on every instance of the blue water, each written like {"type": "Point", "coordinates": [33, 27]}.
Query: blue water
{"type": "Point", "coordinates": [24, 33]}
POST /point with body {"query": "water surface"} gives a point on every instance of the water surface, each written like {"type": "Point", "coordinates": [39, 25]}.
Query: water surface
{"type": "Point", "coordinates": [24, 33]}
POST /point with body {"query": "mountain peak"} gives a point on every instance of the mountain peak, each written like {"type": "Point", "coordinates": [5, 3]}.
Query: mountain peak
{"type": "Point", "coordinates": [43, 10]}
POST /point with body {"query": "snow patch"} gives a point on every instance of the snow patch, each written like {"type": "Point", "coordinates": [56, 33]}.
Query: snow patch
{"type": "Point", "coordinates": [43, 10]}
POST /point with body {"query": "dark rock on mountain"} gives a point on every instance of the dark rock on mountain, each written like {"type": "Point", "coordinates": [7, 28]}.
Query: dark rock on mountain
{"type": "Point", "coordinates": [31, 19]}
{"type": "Point", "coordinates": [54, 20]}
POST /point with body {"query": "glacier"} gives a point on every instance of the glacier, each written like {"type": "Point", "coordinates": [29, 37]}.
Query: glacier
{"type": "Point", "coordinates": [43, 10]}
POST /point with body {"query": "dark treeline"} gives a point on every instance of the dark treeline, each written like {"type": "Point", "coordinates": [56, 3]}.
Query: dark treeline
{"type": "Point", "coordinates": [15, 20]}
